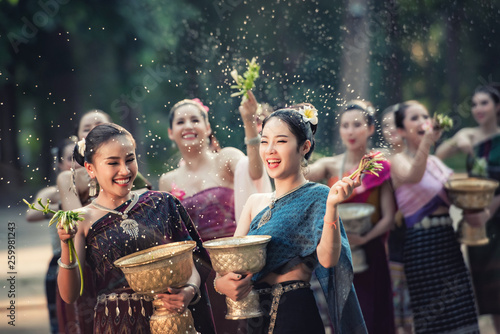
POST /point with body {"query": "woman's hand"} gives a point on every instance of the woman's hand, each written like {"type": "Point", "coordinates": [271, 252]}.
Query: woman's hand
{"type": "Point", "coordinates": [341, 190]}
{"type": "Point", "coordinates": [476, 218]}
{"type": "Point", "coordinates": [177, 299]}
{"type": "Point", "coordinates": [65, 236]}
{"type": "Point", "coordinates": [356, 239]}
{"type": "Point", "coordinates": [248, 108]}
{"type": "Point", "coordinates": [432, 133]}
{"type": "Point", "coordinates": [464, 145]}
{"type": "Point", "coordinates": [234, 286]}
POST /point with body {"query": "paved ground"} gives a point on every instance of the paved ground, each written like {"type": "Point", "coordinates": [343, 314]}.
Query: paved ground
{"type": "Point", "coordinates": [32, 255]}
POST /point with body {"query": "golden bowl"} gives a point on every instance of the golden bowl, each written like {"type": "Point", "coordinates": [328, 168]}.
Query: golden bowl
{"type": "Point", "coordinates": [155, 269]}
{"type": "Point", "coordinates": [471, 193]}
{"type": "Point", "coordinates": [243, 255]}
{"type": "Point", "coordinates": [356, 217]}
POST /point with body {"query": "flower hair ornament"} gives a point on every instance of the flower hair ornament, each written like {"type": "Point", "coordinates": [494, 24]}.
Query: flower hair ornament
{"type": "Point", "coordinates": [81, 147]}
{"type": "Point", "coordinates": [197, 100]}
{"type": "Point", "coordinates": [309, 114]}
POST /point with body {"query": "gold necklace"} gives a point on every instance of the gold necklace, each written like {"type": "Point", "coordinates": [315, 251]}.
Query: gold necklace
{"type": "Point", "coordinates": [129, 226]}
{"type": "Point", "coordinates": [267, 215]}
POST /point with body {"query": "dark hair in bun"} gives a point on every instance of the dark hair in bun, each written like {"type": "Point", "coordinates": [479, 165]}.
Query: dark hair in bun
{"type": "Point", "coordinates": [400, 113]}
{"type": "Point", "coordinates": [96, 137]}
{"type": "Point", "coordinates": [300, 128]}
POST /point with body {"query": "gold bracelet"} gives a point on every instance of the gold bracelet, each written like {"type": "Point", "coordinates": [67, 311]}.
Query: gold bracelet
{"type": "Point", "coordinates": [215, 287]}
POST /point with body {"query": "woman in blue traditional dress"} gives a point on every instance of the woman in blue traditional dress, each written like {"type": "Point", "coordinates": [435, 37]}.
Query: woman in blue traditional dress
{"type": "Point", "coordinates": [482, 145]}
{"type": "Point", "coordinates": [307, 235]}
{"type": "Point", "coordinates": [213, 185]}
{"type": "Point", "coordinates": [373, 285]}
{"type": "Point", "coordinates": [120, 222]}
{"type": "Point", "coordinates": [441, 294]}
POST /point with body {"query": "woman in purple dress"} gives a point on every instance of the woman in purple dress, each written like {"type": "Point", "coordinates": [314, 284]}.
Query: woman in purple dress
{"type": "Point", "coordinates": [205, 181]}
{"type": "Point", "coordinates": [119, 222]}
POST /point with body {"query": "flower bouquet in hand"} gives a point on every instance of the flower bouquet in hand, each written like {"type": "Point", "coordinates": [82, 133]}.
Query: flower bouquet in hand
{"type": "Point", "coordinates": [442, 122]}
{"type": "Point", "coordinates": [247, 81]}
{"type": "Point", "coordinates": [64, 219]}
{"type": "Point", "coordinates": [369, 164]}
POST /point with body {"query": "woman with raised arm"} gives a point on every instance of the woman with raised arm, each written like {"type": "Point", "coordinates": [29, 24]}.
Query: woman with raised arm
{"type": "Point", "coordinates": [441, 296]}
{"type": "Point", "coordinates": [307, 235]}
{"type": "Point", "coordinates": [373, 285]}
{"type": "Point", "coordinates": [482, 146]}
{"type": "Point", "coordinates": [152, 218]}
{"type": "Point", "coordinates": [213, 186]}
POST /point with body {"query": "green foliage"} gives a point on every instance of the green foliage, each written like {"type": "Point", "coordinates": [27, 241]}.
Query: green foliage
{"type": "Point", "coordinates": [135, 59]}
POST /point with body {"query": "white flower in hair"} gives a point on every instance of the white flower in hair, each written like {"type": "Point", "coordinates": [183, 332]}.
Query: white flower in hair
{"type": "Point", "coordinates": [81, 147]}
{"type": "Point", "coordinates": [309, 114]}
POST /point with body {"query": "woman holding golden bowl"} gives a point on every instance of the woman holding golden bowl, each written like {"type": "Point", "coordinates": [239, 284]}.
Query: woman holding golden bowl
{"type": "Point", "coordinates": [120, 222]}
{"type": "Point", "coordinates": [482, 145]}
{"type": "Point", "coordinates": [307, 235]}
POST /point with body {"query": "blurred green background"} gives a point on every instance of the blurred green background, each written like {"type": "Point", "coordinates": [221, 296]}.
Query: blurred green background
{"type": "Point", "coordinates": [135, 59]}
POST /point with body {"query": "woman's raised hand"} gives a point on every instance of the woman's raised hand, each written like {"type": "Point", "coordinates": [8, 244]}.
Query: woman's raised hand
{"type": "Point", "coordinates": [234, 286]}
{"type": "Point", "coordinates": [248, 108]}
{"type": "Point", "coordinates": [341, 190]}
{"type": "Point", "coordinates": [65, 236]}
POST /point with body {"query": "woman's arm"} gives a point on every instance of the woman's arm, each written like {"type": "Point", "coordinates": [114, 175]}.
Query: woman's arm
{"type": "Point", "coordinates": [49, 193]}
{"type": "Point", "coordinates": [412, 170]}
{"type": "Point", "coordinates": [317, 171]}
{"type": "Point", "coordinates": [69, 199]}
{"type": "Point", "coordinates": [388, 210]}
{"type": "Point", "coordinates": [248, 111]}
{"type": "Point", "coordinates": [461, 141]}
{"type": "Point", "coordinates": [68, 280]}
{"type": "Point", "coordinates": [329, 246]}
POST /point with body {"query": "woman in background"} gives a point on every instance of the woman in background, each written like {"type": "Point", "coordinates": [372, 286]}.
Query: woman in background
{"type": "Point", "coordinates": [441, 296]}
{"type": "Point", "coordinates": [482, 146]}
{"type": "Point", "coordinates": [206, 181]}
{"type": "Point", "coordinates": [373, 286]}
{"type": "Point", "coordinates": [395, 243]}
{"type": "Point", "coordinates": [64, 154]}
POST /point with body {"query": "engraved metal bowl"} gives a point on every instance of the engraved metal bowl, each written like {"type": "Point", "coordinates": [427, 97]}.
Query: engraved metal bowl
{"type": "Point", "coordinates": [356, 217]}
{"type": "Point", "coordinates": [242, 255]}
{"type": "Point", "coordinates": [155, 269]}
{"type": "Point", "coordinates": [471, 193]}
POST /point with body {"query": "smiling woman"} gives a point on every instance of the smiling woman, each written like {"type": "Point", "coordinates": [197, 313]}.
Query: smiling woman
{"type": "Point", "coordinates": [120, 222]}
{"type": "Point", "coordinates": [208, 179]}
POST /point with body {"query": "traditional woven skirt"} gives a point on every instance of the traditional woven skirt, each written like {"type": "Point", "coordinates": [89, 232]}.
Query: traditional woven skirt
{"type": "Point", "coordinates": [293, 312]}
{"type": "Point", "coordinates": [441, 295]}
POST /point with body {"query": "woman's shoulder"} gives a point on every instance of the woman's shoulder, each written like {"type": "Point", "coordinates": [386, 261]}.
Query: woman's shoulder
{"type": "Point", "coordinates": [317, 189]}
{"type": "Point", "coordinates": [167, 178]}
{"type": "Point", "coordinates": [228, 154]}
